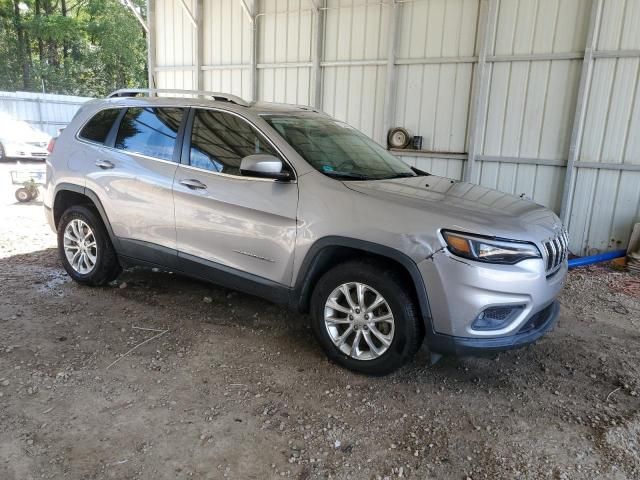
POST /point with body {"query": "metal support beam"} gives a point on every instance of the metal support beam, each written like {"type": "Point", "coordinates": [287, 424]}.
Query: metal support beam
{"type": "Point", "coordinates": [318, 28]}
{"type": "Point", "coordinates": [252, 17]}
{"type": "Point", "coordinates": [192, 19]}
{"type": "Point", "coordinates": [226, 66]}
{"type": "Point", "coordinates": [199, 49]}
{"type": "Point", "coordinates": [480, 88]}
{"type": "Point", "coordinates": [151, 43]}
{"type": "Point", "coordinates": [246, 10]}
{"type": "Point", "coordinates": [616, 54]}
{"type": "Point", "coordinates": [625, 167]}
{"type": "Point", "coordinates": [391, 89]}
{"type": "Point", "coordinates": [136, 13]}
{"type": "Point", "coordinates": [581, 109]}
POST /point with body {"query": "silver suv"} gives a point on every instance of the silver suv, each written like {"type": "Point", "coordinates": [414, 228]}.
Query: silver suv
{"type": "Point", "coordinates": [289, 204]}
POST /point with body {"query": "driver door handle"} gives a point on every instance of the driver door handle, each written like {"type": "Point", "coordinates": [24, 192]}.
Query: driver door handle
{"type": "Point", "coordinates": [193, 184]}
{"type": "Point", "coordinates": [104, 164]}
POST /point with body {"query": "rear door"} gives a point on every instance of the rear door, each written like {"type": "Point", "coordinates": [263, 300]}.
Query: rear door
{"type": "Point", "coordinates": [134, 178]}
{"type": "Point", "coordinates": [241, 225]}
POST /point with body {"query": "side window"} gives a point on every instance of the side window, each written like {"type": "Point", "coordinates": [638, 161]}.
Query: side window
{"type": "Point", "coordinates": [150, 131]}
{"type": "Point", "coordinates": [219, 141]}
{"type": "Point", "coordinates": [97, 129]}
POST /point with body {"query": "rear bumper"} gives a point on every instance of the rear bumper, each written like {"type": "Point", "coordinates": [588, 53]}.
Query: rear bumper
{"type": "Point", "coordinates": [539, 324]}
{"type": "Point", "coordinates": [48, 213]}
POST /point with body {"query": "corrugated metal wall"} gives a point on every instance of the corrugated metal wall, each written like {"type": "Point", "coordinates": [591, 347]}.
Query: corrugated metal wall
{"type": "Point", "coordinates": [43, 111]}
{"type": "Point", "coordinates": [606, 201]}
{"type": "Point", "coordinates": [503, 92]}
{"type": "Point", "coordinates": [226, 48]}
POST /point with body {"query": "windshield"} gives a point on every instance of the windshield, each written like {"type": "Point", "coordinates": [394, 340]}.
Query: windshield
{"type": "Point", "coordinates": [337, 149]}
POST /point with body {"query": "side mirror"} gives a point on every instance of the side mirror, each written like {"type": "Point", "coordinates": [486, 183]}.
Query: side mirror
{"type": "Point", "coordinates": [264, 166]}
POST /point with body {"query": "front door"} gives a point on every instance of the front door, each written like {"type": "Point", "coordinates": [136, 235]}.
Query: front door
{"type": "Point", "coordinates": [243, 226]}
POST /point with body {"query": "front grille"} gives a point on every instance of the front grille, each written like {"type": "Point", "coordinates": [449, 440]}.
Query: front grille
{"type": "Point", "coordinates": [498, 313]}
{"type": "Point", "coordinates": [556, 251]}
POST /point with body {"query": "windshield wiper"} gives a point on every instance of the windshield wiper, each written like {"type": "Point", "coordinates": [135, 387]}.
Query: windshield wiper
{"type": "Point", "coordinates": [420, 173]}
{"type": "Point", "coordinates": [399, 175]}
{"type": "Point", "coordinates": [346, 175]}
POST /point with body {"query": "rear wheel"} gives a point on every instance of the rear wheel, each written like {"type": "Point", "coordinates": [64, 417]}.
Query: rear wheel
{"type": "Point", "coordinates": [84, 247]}
{"type": "Point", "coordinates": [365, 319]}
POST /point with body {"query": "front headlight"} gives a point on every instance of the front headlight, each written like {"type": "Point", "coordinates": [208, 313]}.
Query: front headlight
{"type": "Point", "coordinates": [487, 249]}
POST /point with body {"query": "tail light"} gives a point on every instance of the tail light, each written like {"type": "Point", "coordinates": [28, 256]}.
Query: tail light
{"type": "Point", "coordinates": [52, 143]}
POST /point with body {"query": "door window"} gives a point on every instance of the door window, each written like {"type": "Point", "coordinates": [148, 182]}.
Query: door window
{"type": "Point", "coordinates": [219, 142]}
{"type": "Point", "coordinates": [150, 131]}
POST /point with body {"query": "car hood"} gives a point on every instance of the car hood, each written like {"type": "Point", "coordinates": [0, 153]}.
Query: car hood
{"type": "Point", "coordinates": [466, 206]}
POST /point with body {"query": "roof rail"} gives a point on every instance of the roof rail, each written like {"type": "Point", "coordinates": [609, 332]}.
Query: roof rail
{"type": "Point", "coordinates": [223, 97]}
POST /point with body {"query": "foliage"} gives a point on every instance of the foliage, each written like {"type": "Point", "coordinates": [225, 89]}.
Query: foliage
{"type": "Point", "coordinates": [89, 47]}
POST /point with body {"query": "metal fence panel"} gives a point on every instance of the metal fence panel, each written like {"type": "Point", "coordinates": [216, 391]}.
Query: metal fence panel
{"type": "Point", "coordinates": [44, 111]}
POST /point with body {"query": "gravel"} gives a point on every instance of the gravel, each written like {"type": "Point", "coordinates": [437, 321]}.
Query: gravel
{"type": "Point", "coordinates": [238, 388]}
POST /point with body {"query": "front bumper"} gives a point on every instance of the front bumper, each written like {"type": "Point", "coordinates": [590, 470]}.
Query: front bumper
{"type": "Point", "coordinates": [539, 324]}
{"type": "Point", "coordinates": [460, 290]}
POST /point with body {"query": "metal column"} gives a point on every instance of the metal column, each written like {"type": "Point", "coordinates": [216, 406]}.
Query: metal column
{"type": "Point", "coordinates": [581, 109]}
{"type": "Point", "coordinates": [199, 50]}
{"type": "Point", "coordinates": [151, 42]}
{"type": "Point", "coordinates": [391, 88]}
{"type": "Point", "coordinates": [480, 88]}
{"type": "Point", "coordinates": [318, 26]}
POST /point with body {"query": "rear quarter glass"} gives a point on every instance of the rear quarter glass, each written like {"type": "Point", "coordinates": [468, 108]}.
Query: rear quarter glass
{"type": "Point", "coordinates": [97, 129]}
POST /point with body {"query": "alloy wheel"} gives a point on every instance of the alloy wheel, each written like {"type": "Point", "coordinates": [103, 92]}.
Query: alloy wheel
{"type": "Point", "coordinates": [359, 321]}
{"type": "Point", "coordinates": [80, 246]}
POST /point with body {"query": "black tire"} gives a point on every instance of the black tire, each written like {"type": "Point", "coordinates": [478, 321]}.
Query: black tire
{"type": "Point", "coordinates": [107, 267]}
{"type": "Point", "coordinates": [22, 195]}
{"type": "Point", "coordinates": [408, 333]}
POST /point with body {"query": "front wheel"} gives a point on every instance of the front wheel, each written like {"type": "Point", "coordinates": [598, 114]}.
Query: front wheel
{"type": "Point", "coordinates": [365, 319]}
{"type": "Point", "coordinates": [84, 247]}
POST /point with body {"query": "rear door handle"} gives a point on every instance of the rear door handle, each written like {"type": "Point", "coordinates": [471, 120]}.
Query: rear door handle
{"type": "Point", "coordinates": [104, 164]}
{"type": "Point", "coordinates": [193, 184]}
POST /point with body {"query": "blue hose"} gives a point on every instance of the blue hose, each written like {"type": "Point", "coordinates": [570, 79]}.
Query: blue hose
{"type": "Point", "coordinates": [601, 257]}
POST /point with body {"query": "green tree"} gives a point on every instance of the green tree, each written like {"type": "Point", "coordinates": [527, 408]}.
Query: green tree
{"type": "Point", "coordinates": [89, 47]}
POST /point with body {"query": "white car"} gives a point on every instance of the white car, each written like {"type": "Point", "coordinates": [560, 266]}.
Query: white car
{"type": "Point", "coordinates": [20, 140]}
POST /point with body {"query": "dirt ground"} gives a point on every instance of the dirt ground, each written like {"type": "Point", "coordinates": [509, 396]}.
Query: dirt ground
{"type": "Point", "coordinates": [238, 388]}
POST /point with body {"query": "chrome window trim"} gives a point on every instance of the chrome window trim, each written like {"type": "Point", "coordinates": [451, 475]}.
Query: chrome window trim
{"type": "Point", "coordinates": [238, 177]}
{"type": "Point", "coordinates": [142, 155]}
